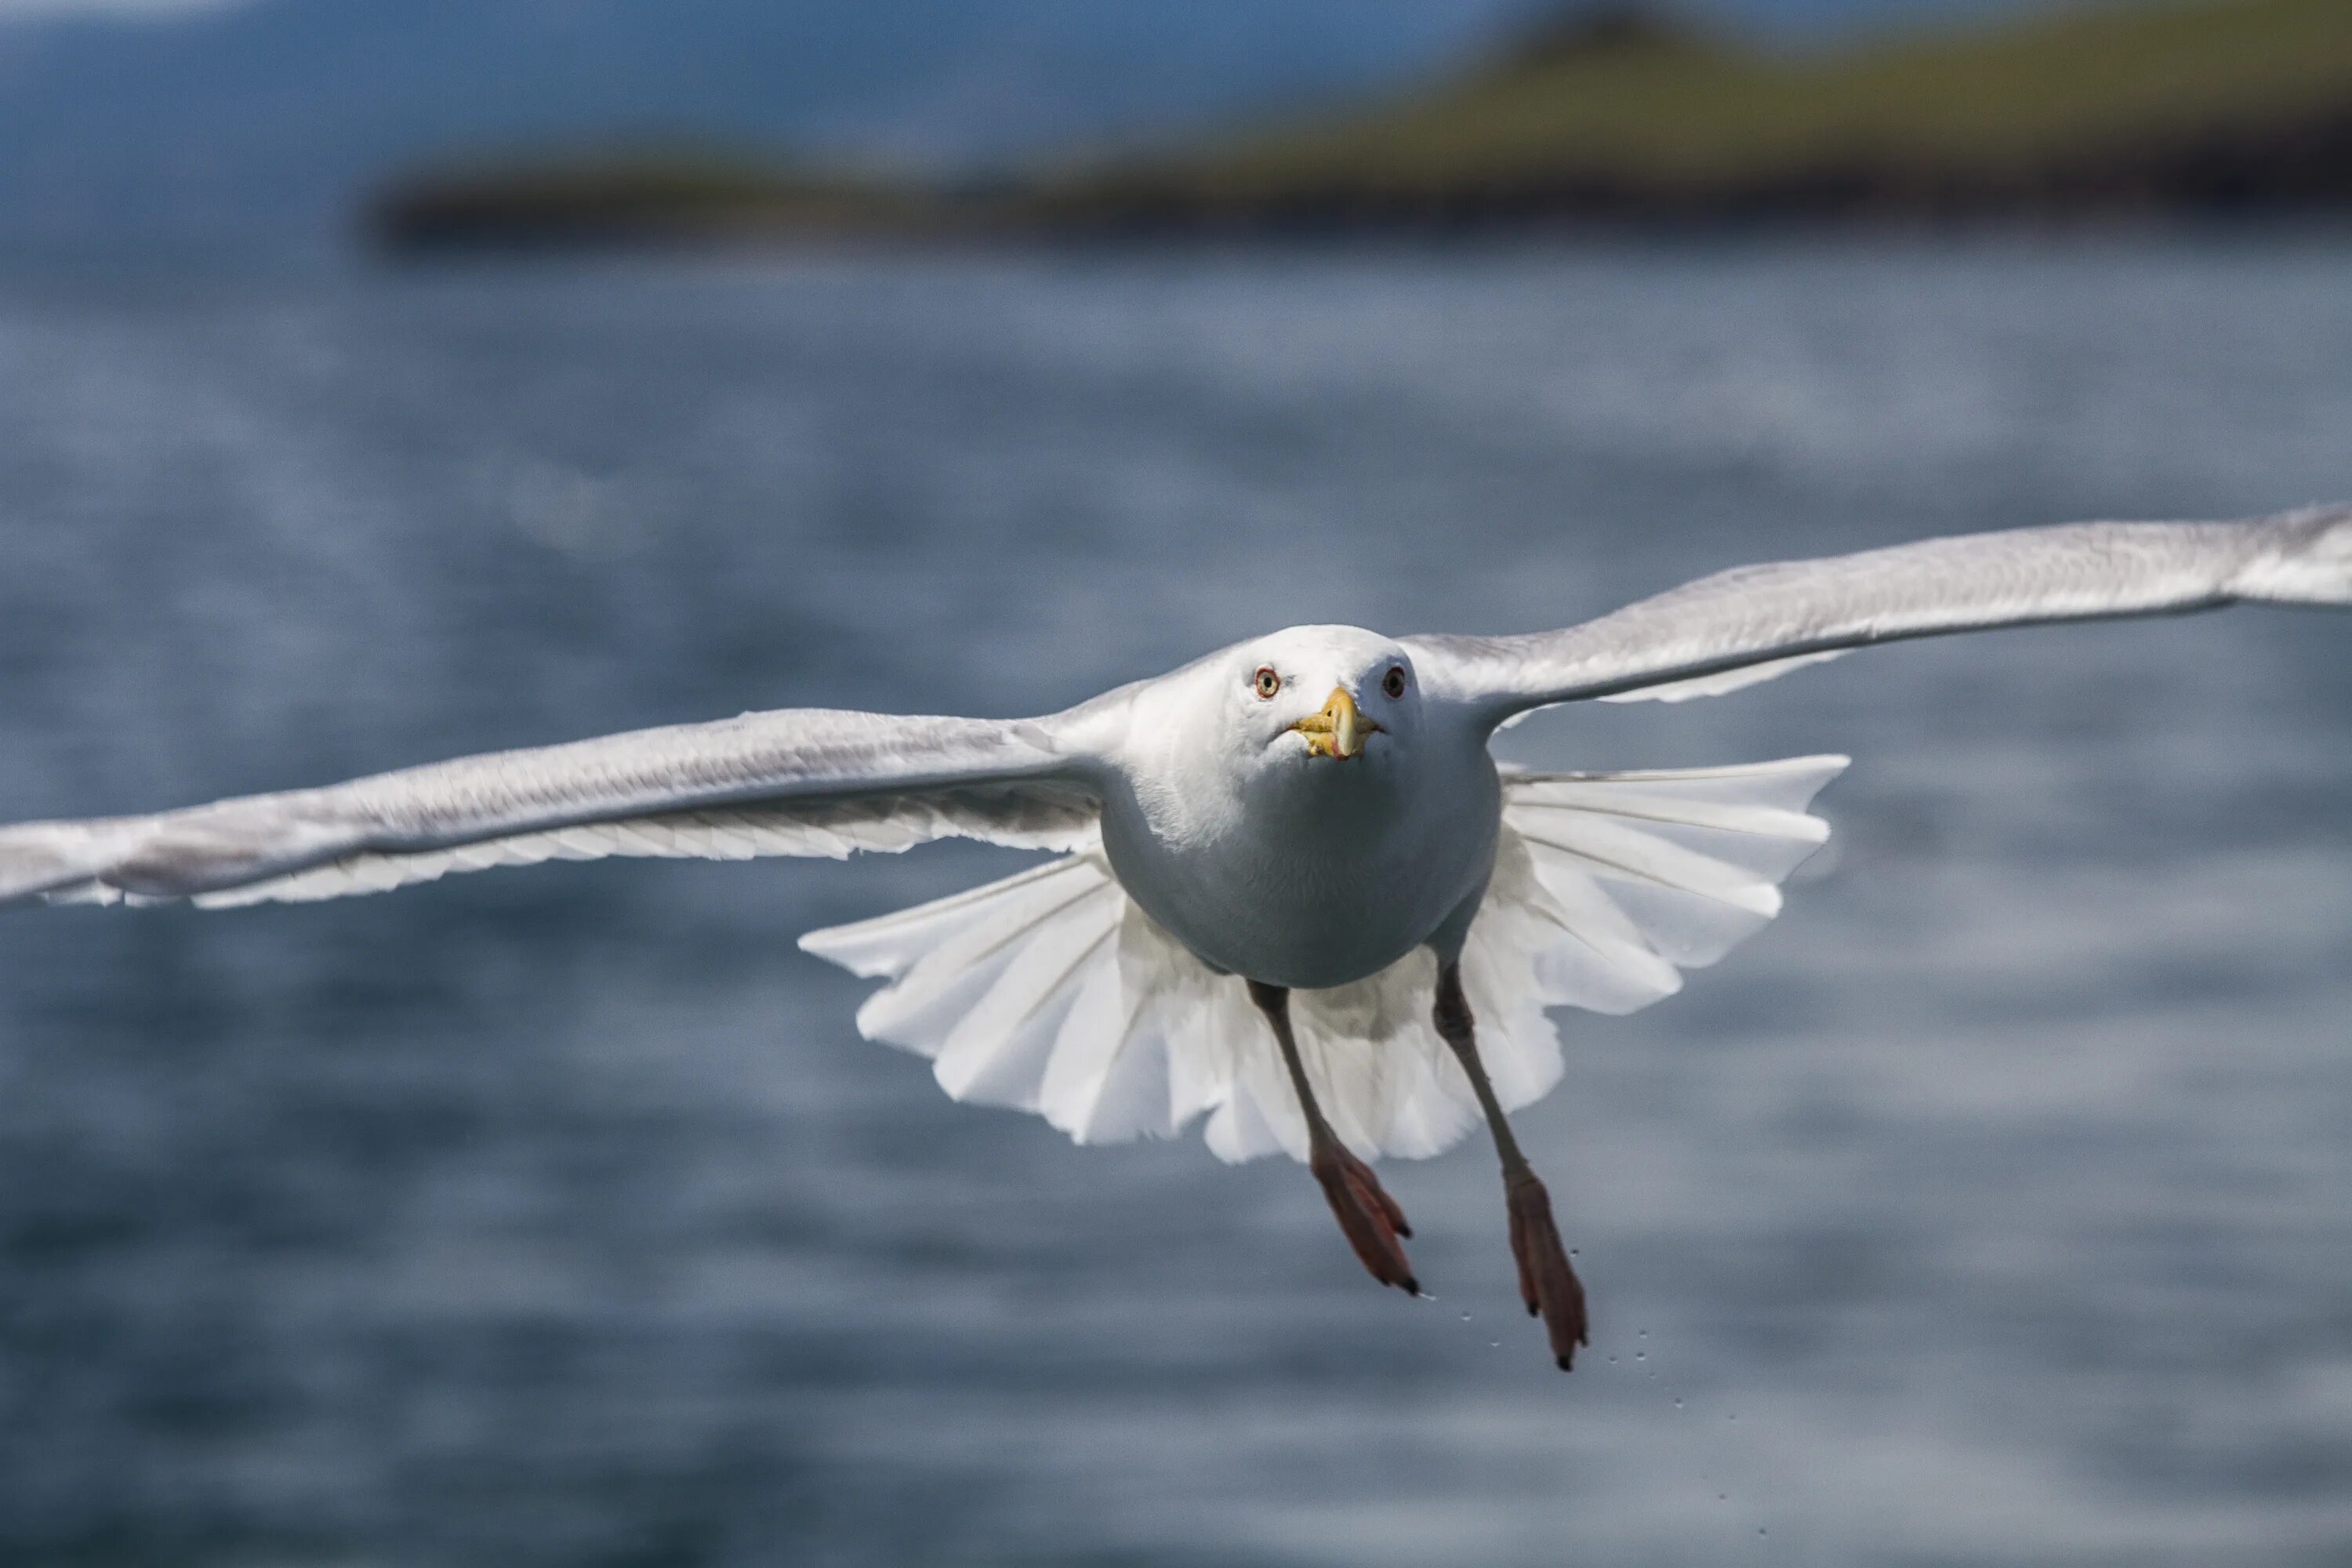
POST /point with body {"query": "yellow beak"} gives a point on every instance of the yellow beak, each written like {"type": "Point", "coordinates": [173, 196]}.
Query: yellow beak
{"type": "Point", "coordinates": [1338, 731]}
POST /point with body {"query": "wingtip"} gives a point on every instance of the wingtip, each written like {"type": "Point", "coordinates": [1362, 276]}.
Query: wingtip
{"type": "Point", "coordinates": [2308, 561]}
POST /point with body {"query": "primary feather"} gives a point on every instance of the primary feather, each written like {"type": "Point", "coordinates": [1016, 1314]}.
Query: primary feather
{"type": "Point", "coordinates": [796, 782]}
{"type": "Point", "coordinates": [1752, 623]}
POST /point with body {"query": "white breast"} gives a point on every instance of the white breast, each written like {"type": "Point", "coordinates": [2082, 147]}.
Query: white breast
{"type": "Point", "coordinates": [1314, 875]}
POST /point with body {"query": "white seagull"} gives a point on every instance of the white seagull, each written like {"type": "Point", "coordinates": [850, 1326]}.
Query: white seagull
{"type": "Point", "coordinates": [1291, 873]}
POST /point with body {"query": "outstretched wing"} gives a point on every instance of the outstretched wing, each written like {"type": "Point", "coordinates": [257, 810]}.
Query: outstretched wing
{"type": "Point", "coordinates": [793, 781]}
{"type": "Point", "coordinates": [1737, 627]}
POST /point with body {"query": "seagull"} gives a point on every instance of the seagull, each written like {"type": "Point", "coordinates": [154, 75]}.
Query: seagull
{"type": "Point", "coordinates": [1293, 892]}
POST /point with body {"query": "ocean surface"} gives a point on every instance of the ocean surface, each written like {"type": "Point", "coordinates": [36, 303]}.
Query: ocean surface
{"type": "Point", "coordinates": [1994, 1206]}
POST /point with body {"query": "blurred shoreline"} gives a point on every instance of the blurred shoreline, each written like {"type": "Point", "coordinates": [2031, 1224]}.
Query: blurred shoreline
{"type": "Point", "coordinates": [2203, 113]}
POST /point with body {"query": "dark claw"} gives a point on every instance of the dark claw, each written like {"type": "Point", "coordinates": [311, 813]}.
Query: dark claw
{"type": "Point", "coordinates": [1547, 1283]}
{"type": "Point", "coordinates": [1367, 1216]}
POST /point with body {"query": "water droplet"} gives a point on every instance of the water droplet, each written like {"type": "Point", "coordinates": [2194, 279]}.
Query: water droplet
{"type": "Point", "coordinates": [1641, 1355]}
{"type": "Point", "coordinates": [1465, 1317]}
{"type": "Point", "coordinates": [1723, 1497]}
{"type": "Point", "coordinates": [1612, 1361]}
{"type": "Point", "coordinates": [1678, 1405]}
{"type": "Point", "coordinates": [1493, 1345]}
{"type": "Point", "coordinates": [1645, 1334]}
{"type": "Point", "coordinates": [1571, 1252]}
{"type": "Point", "coordinates": [1733, 1416]}
{"type": "Point", "coordinates": [1760, 1529]}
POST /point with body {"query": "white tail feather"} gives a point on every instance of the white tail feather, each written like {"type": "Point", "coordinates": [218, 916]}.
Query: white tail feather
{"type": "Point", "coordinates": [1052, 993]}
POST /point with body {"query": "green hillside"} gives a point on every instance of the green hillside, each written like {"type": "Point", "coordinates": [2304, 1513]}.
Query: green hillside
{"type": "Point", "coordinates": [2210, 106]}
{"type": "Point", "coordinates": [2171, 103]}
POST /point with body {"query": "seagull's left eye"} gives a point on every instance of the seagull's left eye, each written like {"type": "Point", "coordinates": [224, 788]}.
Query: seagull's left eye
{"type": "Point", "coordinates": [1393, 682]}
{"type": "Point", "coordinates": [1267, 682]}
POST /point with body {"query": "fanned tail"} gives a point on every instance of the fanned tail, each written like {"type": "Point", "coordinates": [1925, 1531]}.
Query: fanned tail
{"type": "Point", "coordinates": [1616, 882]}
{"type": "Point", "coordinates": [1052, 993]}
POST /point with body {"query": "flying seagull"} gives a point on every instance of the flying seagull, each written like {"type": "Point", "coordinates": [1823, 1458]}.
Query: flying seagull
{"type": "Point", "coordinates": [1293, 893]}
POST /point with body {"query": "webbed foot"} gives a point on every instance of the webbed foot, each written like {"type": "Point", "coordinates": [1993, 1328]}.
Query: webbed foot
{"type": "Point", "coordinates": [1367, 1216]}
{"type": "Point", "coordinates": [1547, 1284]}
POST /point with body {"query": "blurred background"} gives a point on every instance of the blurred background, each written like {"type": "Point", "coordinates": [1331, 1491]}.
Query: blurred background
{"type": "Point", "coordinates": [383, 380]}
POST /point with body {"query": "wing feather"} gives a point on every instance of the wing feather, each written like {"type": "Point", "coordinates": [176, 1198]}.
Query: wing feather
{"type": "Point", "coordinates": [792, 782]}
{"type": "Point", "coordinates": [1753, 623]}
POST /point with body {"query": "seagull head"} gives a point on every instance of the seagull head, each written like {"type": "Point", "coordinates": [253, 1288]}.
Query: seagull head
{"type": "Point", "coordinates": [1323, 694]}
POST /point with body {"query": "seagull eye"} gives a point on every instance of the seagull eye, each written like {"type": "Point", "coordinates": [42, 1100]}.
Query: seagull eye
{"type": "Point", "coordinates": [1393, 682]}
{"type": "Point", "coordinates": [1267, 683]}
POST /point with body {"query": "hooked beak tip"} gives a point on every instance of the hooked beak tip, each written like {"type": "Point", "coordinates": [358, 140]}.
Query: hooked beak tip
{"type": "Point", "coordinates": [1338, 730]}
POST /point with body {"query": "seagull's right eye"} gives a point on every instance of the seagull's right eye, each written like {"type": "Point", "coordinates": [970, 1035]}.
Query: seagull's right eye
{"type": "Point", "coordinates": [1267, 682]}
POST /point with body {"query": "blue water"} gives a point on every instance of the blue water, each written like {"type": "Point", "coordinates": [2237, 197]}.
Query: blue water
{"type": "Point", "coordinates": [1989, 1207]}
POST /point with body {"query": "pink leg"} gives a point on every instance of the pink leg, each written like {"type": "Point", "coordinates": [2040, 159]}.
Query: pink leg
{"type": "Point", "coordinates": [1547, 1284]}
{"type": "Point", "coordinates": [1367, 1216]}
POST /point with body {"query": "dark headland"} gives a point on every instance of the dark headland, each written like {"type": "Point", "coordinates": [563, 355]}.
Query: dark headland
{"type": "Point", "coordinates": [2196, 109]}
